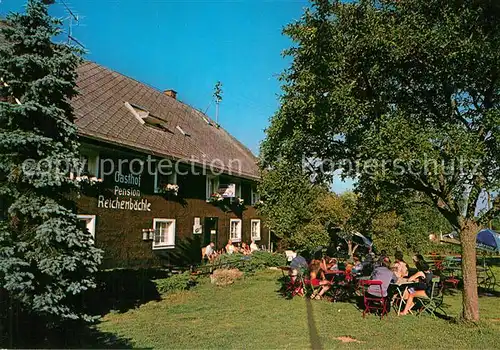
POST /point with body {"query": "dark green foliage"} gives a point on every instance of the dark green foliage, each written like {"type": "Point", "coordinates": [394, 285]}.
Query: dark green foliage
{"type": "Point", "coordinates": [47, 258]}
{"type": "Point", "coordinates": [175, 283]}
{"type": "Point", "coordinates": [402, 225]}
{"type": "Point", "coordinates": [302, 213]}
{"type": "Point", "coordinates": [288, 200]}
{"type": "Point", "coordinates": [495, 224]}
{"type": "Point", "coordinates": [257, 261]}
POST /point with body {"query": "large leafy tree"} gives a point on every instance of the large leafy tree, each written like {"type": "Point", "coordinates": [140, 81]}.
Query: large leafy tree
{"type": "Point", "coordinates": [46, 258]}
{"type": "Point", "coordinates": [289, 198]}
{"type": "Point", "coordinates": [304, 215]}
{"type": "Point", "coordinates": [408, 93]}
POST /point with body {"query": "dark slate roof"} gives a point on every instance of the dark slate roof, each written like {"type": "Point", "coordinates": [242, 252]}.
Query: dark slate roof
{"type": "Point", "coordinates": [102, 115]}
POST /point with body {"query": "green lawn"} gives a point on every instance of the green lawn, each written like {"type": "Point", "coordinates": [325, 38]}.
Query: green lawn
{"type": "Point", "coordinates": [251, 314]}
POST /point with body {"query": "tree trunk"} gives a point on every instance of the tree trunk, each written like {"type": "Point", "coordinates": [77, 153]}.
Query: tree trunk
{"type": "Point", "coordinates": [354, 250]}
{"type": "Point", "coordinates": [470, 301]}
{"type": "Point", "coordinates": [349, 248]}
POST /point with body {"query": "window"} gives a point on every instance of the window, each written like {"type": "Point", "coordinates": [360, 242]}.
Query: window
{"type": "Point", "coordinates": [235, 230]}
{"type": "Point", "coordinates": [212, 185]}
{"type": "Point", "coordinates": [89, 222]}
{"type": "Point", "coordinates": [169, 176]}
{"type": "Point", "coordinates": [255, 229]}
{"type": "Point", "coordinates": [182, 131]}
{"type": "Point", "coordinates": [164, 233]}
{"type": "Point", "coordinates": [89, 163]}
{"type": "Point", "coordinates": [255, 196]}
{"type": "Point", "coordinates": [229, 187]}
{"type": "Point", "coordinates": [146, 117]}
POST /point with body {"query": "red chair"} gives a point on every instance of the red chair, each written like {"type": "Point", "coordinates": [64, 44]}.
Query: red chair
{"type": "Point", "coordinates": [372, 302]}
{"type": "Point", "coordinates": [452, 281]}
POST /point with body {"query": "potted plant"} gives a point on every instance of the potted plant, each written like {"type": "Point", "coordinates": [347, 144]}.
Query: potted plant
{"type": "Point", "coordinates": [89, 185]}
{"type": "Point", "coordinates": [172, 189]}
{"type": "Point", "coordinates": [215, 198]}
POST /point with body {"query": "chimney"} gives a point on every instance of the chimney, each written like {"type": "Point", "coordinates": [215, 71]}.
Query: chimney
{"type": "Point", "coordinates": [171, 93]}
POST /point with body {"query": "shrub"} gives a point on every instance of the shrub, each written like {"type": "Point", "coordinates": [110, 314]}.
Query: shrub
{"type": "Point", "coordinates": [175, 283]}
{"type": "Point", "coordinates": [224, 277]}
{"type": "Point", "coordinates": [257, 261]}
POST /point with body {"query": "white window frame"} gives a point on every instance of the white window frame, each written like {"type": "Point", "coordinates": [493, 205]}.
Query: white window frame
{"type": "Point", "coordinates": [170, 244]}
{"type": "Point", "coordinates": [91, 220]}
{"type": "Point", "coordinates": [237, 186]}
{"type": "Point", "coordinates": [215, 185]}
{"type": "Point", "coordinates": [255, 196]}
{"type": "Point", "coordinates": [252, 237]}
{"type": "Point", "coordinates": [172, 179]}
{"type": "Point", "coordinates": [236, 238]}
{"type": "Point", "coordinates": [93, 161]}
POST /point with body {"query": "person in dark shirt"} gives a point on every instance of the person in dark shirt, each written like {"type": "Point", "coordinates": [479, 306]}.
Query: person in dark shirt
{"type": "Point", "coordinates": [424, 287]}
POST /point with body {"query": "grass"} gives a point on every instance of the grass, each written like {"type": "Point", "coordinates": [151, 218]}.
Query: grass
{"type": "Point", "coordinates": [251, 314]}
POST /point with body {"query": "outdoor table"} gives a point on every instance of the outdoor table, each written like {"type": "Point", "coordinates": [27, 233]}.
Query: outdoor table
{"type": "Point", "coordinates": [330, 275]}
{"type": "Point", "coordinates": [340, 286]}
{"type": "Point", "coordinates": [401, 286]}
{"type": "Point", "coordinates": [334, 273]}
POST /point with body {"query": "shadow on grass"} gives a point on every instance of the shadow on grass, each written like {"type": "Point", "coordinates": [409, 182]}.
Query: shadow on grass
{"type": "Point", "coordinates": [122, 289]}
{"type": "Point", "coordinates": [91, 338]}
{"type": "Point", "coordinates": [30, 331]}
{"type": "Point", "coordinates": [488, 293]}
{"type": "Point", "coordinates": [311, 326]}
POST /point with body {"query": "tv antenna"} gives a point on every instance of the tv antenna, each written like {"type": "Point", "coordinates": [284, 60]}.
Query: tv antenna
{"type": "Point", "coordinates": [218, 99]}
{"type": "Point", "coordinates": [72, 19]}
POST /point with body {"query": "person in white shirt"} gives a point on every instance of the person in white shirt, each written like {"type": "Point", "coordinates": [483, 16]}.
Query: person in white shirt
{"type": "Point", "coordinates": [210, 250]}
{"type": "Point", "coordinates": [253, 247]}
{"type": "Point", "coordinates": [230, 248]}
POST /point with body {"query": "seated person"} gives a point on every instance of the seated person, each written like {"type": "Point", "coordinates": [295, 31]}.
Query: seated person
{"type": "Point", "coordinates": [384, 274]}
{"type": "Point", "coordinates": [381, 257]}
{"type": "Point", "coordinates": [298, 266]}
{"type": "Point", "coordinates": [245, 249]}
{"type": "Point", "coordinates": [348, 266]}
{"type": "Point", "coordinates": [416, 258]}
{"type": "Point", "coordinates": [424, 287]}
{"type": "Point", "coordinates": [329, 264]}
{"type": "Point", "coordinates": [400, 267]}
{"type": "Point", "coordinates": [368, 264]}
{"type": "Point", "coordinates": [314, 274]}
{"type": "Point", "coordinates": [253, 246]}
{"type": "Point", "coordinates": [210, 251]}
{"type": "Point", "coordinates": [230, 248]}
{"type": "Point", "coordinates": [357, 266]}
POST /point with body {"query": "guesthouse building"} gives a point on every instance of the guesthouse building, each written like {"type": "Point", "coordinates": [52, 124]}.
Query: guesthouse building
{"type": "Point", "coordinates": [169, 179]}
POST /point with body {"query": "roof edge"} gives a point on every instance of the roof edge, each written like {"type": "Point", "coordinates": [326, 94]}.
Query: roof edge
{"type": "Point", "coordinates": [144, 150]}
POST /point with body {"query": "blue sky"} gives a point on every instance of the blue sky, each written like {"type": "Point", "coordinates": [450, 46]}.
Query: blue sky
{"type": "Point", "coordinates": [188, 46]}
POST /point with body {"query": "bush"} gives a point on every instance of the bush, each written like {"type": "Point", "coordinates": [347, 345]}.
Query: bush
{"type": "Point", "coordinates": [259, 260]}
{"type": "Point", "coordinates": [224, 277]}
{"type": "Point", "coordinates": [175, 283]}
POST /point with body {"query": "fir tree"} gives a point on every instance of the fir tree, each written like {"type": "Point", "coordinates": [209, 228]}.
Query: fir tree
{"type": "Point", "coordinates": [47, 259]}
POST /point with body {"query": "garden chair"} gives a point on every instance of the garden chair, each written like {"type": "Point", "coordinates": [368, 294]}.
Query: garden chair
{"type": "Point", "coordinates": [451, 281]}
{"type": "Point", "coordinates": [341, 285]}
{"type": "Point", "coordinates": [433, 302]}
{"type": "Point", "coordinates": [372, 302]}
{"type": "Point", "coordinates": [296, 285]}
